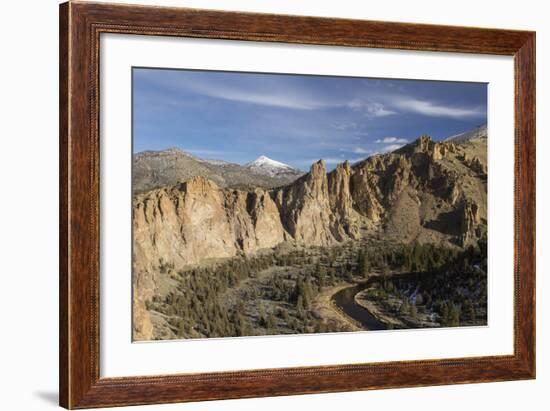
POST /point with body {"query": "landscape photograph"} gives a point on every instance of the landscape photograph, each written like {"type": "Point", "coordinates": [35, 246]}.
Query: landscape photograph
{"type": "Point", "coordinates": [275, 204]}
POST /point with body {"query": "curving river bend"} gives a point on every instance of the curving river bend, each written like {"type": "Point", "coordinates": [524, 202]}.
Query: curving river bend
{"type": "Point", "coordinates": [345, 300]}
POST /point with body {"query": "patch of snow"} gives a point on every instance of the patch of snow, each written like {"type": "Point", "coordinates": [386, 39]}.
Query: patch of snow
{"type": "Point", "coordinates": [267, 166]}
{"type": "Point", "coordinates": [264, 161]}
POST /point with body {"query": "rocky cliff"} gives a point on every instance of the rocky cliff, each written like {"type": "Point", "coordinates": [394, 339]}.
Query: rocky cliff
{"type": "Point", "coordinates": [426, 191]}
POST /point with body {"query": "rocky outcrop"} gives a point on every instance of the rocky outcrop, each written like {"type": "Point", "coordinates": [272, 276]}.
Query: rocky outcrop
{"type": "Point", "coordinates": [346, 220]}
{"type": "Point", "coordinates": [468, 221]}
{"type": "Point", "coordinates": [196, 220]}
{"type": "Point", "coordinates": [144, 289]}
{"type": "Point", "coordinates": [441, 150]}
{"type": "Point", "coordinates": [305, 209]}
{"type": "Point", "coordinates": [366, 193]}
{"type": "Point", "coordinates": [254, 219]}
{"type": "Point", "coordinates": [182, 224]}
{"type": "Point", "coordinates": [477, 165]}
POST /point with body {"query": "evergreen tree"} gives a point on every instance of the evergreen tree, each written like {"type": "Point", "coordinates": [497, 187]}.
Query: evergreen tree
{"type": "Point", "coordinates": [362, 264]}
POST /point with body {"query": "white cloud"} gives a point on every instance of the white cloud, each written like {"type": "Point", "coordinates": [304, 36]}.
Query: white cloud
{"type": "Point", "coordinates": [281, 96]}
{"type": "Point", "coordinates": [369, 108]}
{"type": "Point", "coordinates": [390, 104]}
{"type": "Point", "coordinates": [391, 140]}
{"type": "Point", "coordinates": [429, 108]}
{"type": "Point", "coordinates": [355, 150]}
{"type": "Point", "coordinates": [391, 147]}
{"type": "Point", "coordinates": [265, 99]}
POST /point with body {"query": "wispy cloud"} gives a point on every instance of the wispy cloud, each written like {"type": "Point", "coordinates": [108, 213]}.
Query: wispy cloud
{"type": "Point", "coordinates": [284, 100]}
{"type": "Point", "coordinates": [360, 150]}
{"type": "Point", "coordinates": [279, 95]}
{"type": "Point", "coordinates": [391, 144]}
{"type": "Point", "coordinates": [391, 147]}
{"type": "Point", "coordinates": [369, 108]}
{"type": "Point", "coordinates": [355, 150]}
{"type": "Point", "coordinates": [344, 126]}
{"type": "Point", "coordinates": [390, 140]}
{"type": "Point", "coordinates": [430, 108]}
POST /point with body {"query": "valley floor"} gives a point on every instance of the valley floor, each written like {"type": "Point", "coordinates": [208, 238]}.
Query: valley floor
{"type": "Point", "coordinates": [363, 285]}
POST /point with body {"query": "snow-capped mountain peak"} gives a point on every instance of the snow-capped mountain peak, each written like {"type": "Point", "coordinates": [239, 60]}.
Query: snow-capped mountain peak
{"type": "Point", "coordinates": [264, 161]}
{"type": "Point", "coordinates": [267, 166]}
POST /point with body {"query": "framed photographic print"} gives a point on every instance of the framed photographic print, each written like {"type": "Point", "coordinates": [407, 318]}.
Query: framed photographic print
{"type": "Point", "coordinates": [257, 205]}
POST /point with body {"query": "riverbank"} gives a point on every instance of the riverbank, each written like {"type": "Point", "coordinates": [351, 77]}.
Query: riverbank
{"type": "Point", "coordinates": [323, 308]}
{"type": "Point", "coordinates": [377, 311]}
{"type": "Point", "coordinates": [389, 312]}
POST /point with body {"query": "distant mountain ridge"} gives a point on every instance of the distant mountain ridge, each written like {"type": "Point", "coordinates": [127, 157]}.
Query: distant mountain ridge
{"type": "Point", "coordinates": [153, 169]}
{"type": "Point", "coordinates": [476, 133]}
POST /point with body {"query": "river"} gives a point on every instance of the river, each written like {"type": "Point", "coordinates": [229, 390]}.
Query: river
{"type": "Point", "coordinates": [345, 300]}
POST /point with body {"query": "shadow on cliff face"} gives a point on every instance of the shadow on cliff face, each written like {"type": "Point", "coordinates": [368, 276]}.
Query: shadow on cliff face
{"type": "Point", "coordinates": [446, 222]}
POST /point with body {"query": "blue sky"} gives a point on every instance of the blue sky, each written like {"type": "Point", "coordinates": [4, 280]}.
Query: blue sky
{"type": "Point", "coordinates": [295, 119]}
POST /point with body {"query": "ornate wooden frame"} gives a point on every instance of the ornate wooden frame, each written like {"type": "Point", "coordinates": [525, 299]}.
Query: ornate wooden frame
{"type": "Point", "coordinates": [80, 27]}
